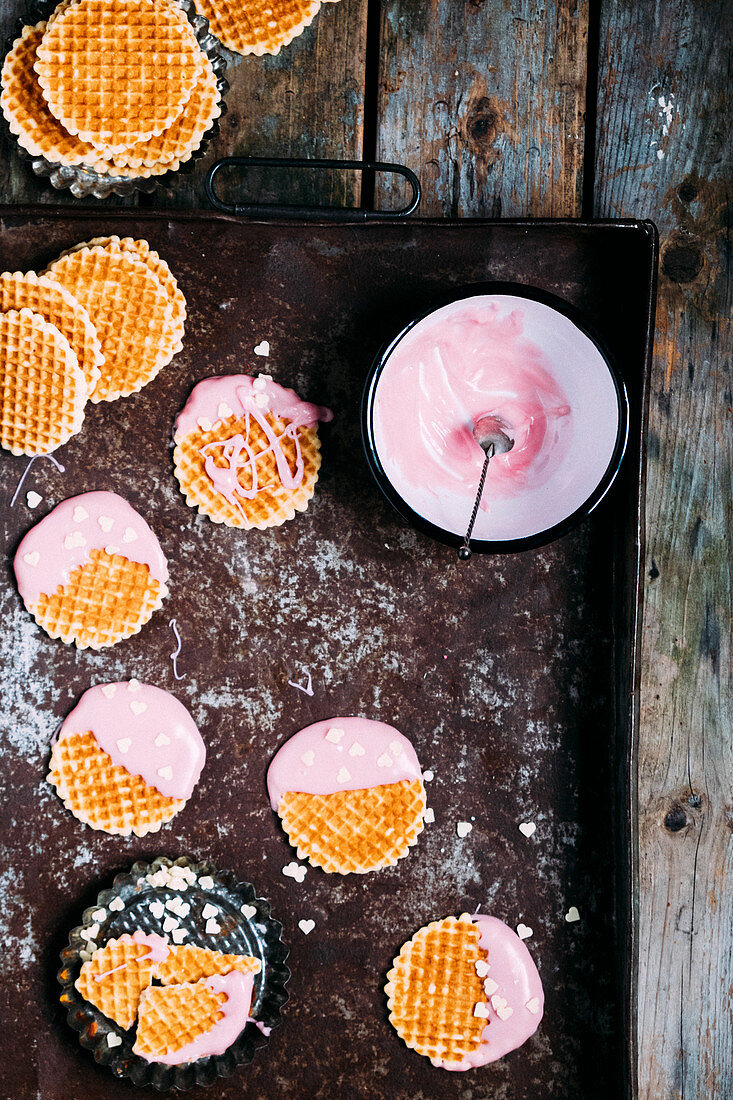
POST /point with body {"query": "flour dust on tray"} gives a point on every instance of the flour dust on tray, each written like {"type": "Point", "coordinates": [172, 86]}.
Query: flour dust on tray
{"type": "Point", "coordinates": [349, 794]}
{"type": "Point", "coordinates": [464, 991]}
{"type": "Point", "coordinates": [247, 452]}
{"type": "Point", "coordinates": [92, 571]}
{"type": "Point", "coordinates": [127, 758]}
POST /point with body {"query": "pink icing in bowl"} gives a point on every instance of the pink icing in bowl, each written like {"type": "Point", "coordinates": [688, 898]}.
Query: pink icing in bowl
{"type": "Point", "coordinates": [524, 359]}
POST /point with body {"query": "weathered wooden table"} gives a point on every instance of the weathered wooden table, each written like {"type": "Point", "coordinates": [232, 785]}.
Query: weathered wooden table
{"type": "Point", "coordinates": [613, 109]}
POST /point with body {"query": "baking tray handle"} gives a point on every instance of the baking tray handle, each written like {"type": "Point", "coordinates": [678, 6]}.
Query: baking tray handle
{"type": "Point", "coordinates": [313, 213]}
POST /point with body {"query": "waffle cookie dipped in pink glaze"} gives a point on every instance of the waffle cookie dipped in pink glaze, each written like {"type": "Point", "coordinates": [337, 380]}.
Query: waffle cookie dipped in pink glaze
{"type": "Point", "coordinates": [349, 793]}
{"type": "Point", "coordinates": [464, 992]}
{"type": "Point", "coordinates": [92, 571]}
{"type": "Point", "coordinates": [247, 451]}
{"type": "Point", "coordinates": [127, 758]}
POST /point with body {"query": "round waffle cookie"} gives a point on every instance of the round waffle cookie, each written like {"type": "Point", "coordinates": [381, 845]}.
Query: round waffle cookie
{"type": "Point", "coordinates": [131, 311]}
{"type": "Point", "coordinates": [127, 758]}
{"type": "Point", "coordinates": [258, 27]}
{"type": "Point", "coordinates": [117, 72]}
{"type": "Point", "coordinates": [247, 452]}
{"type": "Point", "coordinates": [182, 1023]}
{"type": "Point", "coordinates": [349, 793]}
{"type": "Point", "coordinates": [42, 389]}
{"type": "Point", "coordinates": [91, 572]}
{"type": "Point", "coordinates": [56, 305]}
{"type": "Point", "coordinates": [464, 991]}
{"type": "Point", "coordinates": [27, 112]}
{"type": "Point", "coordinates": [117, 974]}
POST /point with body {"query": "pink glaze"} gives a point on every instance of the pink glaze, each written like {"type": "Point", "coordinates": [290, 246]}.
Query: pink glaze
{"type": "Point", "coordinates": [60, 543]}
{"type": "Point", "coordinates": [512, 968]}
{"type": "Point", "coordinates": [513, 359]}
{"type": "Point", "coordinates": [127, 718]}
{"type": "Point", "coordinates": [238, 988]}
{"type": "Point", "coordinates": [158, 951]}
{"type": "Point", "coordinates": [238, 392]}
{"type": "Point", "coordinates": [313, 763]}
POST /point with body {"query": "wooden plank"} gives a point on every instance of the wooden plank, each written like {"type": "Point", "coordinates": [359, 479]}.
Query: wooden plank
{"type": "Point", "coordinates": [664, 152]}
{"type": "Point", "coordinates": [486, 102]}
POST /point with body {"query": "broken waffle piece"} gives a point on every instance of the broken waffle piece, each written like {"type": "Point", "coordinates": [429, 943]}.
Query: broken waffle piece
{"type": "Point", "coordinates": [247, 452]}
{"type": "Point", "coordinates": [187, 963]}
{"type": "Point", "coordinates": [92, 571]}
{"type": "Point", "coordinates": [127, 758]}
{"type": "Point", "coordinates": [260, 26]}
{"type": "Point", "coordinates": [118, 973]}
{"type": "Point", "coordinates": [42, 388]}
{"type": "Point", "coordinates": [464, 992]}
{"type": "Point", "coordinates": [349, 794]}
{"type": "Point", "coordinates": [182, 1023]}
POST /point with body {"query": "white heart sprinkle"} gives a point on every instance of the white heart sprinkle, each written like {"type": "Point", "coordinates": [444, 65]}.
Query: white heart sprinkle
{"type": "Point", "coordinates": [209, 911]}
{"type": "Point", "coordinates": [572, 915]}
{"type": "Point", "coordinates": [498, 1002]}
{"type": "Point", "coordinates": [263, 348]}
{"type": "Point", "coordinates": [505, 1012]}
{"type": "Point", "coordinates": [344, 775]}
{"type": "Point", "coordinates": [162, 740]}
{"type": "Point", "coordinates": [116, 905]}
{"type": "Point", "coordinates": [490, 986]}
{"type": "Point", "coordinates": [172, 904]}
{"type": "Point", "coordinates": [111, 550]}
{"type": "Point", "coordinates": [482, 967]}
{"type": "Point", "coordinates": [527, 828]}
{"type": "Point", "coordinates": [524, 931]}
{"type": "Point", "coordinates": [157, 909]}
{"type": "Point", "coordinates": [129, 535]}
{"type": "Point", "coordinates": [33, 499]}
{"type": "Point", "coordinates": [188, 873]}
{"type": "Point", "coordinates": [334, 735]}
{"type": "Point", "coordinates": [481, 1010]}
{"type": "Point", "coordinates": [137, 707]}
{"type": "Point", "coordinates": [166, 772]}
{"type": "Point", "coordinates": [124, 744]}
{"type": "Point", "coordinates": [429, 816]}
{"type": "Point", "coordinates": [204, 423]}
{"type": "Point", "coordinates": [384, 761]}
{"type": "Point", "coordinates": [206, 882]}
{"type": "Point", "coordinates": [249, 911]}
{"type": "Point", "coordinates": [212, 927]}
{"type": "Point", "coordinates": [80, 514]}
{"type": "Point", "coordinates": [259, 385]}
{"type": "Point", "coordinates": [357, 749]}
{"type": "Point", "coordinates": [308, 758]}
{"type": "Point", "coordinates": [133, 685]}
{"type": "Point", "coordinates": [179, 935]}
{"type": "Point", "coordinates": [108, 690]}
{"type": "Point", "coordinates": [74, 539]}
{"type": "Point", "coordinates": [261, 400]}
{"type": "Point", "coordinates": [90, 933]}
{"type": "Point", "coordinates": [183, 910]}
{"type": "Point", "coordinates": [294, 870]}
{"type": "Point", "coordinates": [33, 558]}
{"type": "Point", "coordinates": [463, 828]}
{"type": "Point", "coordinates": [113, 1040]}
{"type": "Point", "coordinates": [223, 411]}
{"type": "Point", "coordinates": [533, 1005]}
{"type": "Point", "coordinates": [169, 924]}
{"type": "Point", "coordinates": [99, 914]}
{"type": "Point", "coordinates": [306, 926]}
{"type": "Point", "coordinates": [428, 776]}
{"type": "Point", "coordinates": [106, 523]}
{"type": "Point", "coordinates": [395, 748]}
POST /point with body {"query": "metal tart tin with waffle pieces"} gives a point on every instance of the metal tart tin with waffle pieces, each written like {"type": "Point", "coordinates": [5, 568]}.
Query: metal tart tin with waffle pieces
{"type": "Point", "coordinates": [256, 934]}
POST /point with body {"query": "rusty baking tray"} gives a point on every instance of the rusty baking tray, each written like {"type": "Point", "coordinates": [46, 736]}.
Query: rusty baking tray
{"type": "Point", "coordinates": [516, 677]}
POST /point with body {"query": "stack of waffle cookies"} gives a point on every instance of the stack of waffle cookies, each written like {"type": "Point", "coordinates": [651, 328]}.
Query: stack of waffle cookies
{"type": "Point", "coordinates": [98, 324]}
{"type": "Point", "coordinates": [119, 87]}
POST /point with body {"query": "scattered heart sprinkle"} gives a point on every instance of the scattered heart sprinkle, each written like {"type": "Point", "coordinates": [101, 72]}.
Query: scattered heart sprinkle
{"type": "Point", "coordinates": [113, 1040]}
{"type": "Point", "coordinates": [482, 967]}
{"type": "Point", "coordinates": [249, 911]}
{"type": "Point", "coordinates": [463, 828]}
{"type": "Point", "coordinates": [306, 926]}
{"type": "Point", "coordinates": [33, 499]}
{"type": "Point", "coordinates": [116, 905]}
{"type": "Point", "coordinates": [572, 915]}
{"type": "Point", "coordinates": [533, 1005]}
{"type": "Point", "coordinates": [212, 927]}
{"type": "Point", "coordinates": [524, 931]}
{"type": "Point", "coordinates": [429, 816]}
{"type": "Point", "coordinates": [295, 870]}
{"type": "Point", "coordinates": [428, 776]}
{"type": "Point", "coordinates": [482, 1010]}
{"type": "Point", "coordinates": [209, 911]}
{"type": "Point", "coordinates": [527, 828]}
{"type": "Point", "coordinates": [206, 882]}
{"type": "Point", "coordinates": [157, 909]}
{"type": "Point", "coordinates": [263, 348]}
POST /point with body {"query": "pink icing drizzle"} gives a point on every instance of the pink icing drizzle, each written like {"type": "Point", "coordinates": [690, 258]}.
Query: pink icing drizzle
{"type": "Point", "coordinates": [157, 951]}
{"type": "Point", "coordinates": [238, 988]}
{"type": "Point", "coordinates": [512, 968]}
{"type": "Point", "coordinates": [63, 543]}
{"type": "Point", "coordinates": [289, 772]}
{"type": "Point", "coordinates": [113, 719]}
{"type": "Point", "coordinates": [474, 358]}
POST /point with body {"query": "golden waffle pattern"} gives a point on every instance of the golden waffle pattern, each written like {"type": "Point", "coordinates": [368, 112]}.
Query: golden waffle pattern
{"type": "Point", "coordinates": [103, 601]}
{"type": "Point", "coordinates": [42, 389]}
{"type": "Point", "coordinates": [56, 305]}
{"type": "Point", "coordinates": [171, 1017]}
{"type": "Point", "coordinates": [271, 506]}
{"type": "Point", "coordinates": [103, 794]}
{"type": "Point", "coordinates": [130, 310]}
{"type": "Point", "coordinates": [355, 831]}
{"type": "Point", "coordinates": [26, 110]}
{"type": "Point", "coordinates": [259, 26]}
{"type": "Point", "coordinates": [433, 987]}
{"type": "Point", "coordinates": [117, 995]}
{"type": "Point", "coordinates": [117, 72]}
{"type": "Point", "coordinates": [187, 963]}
